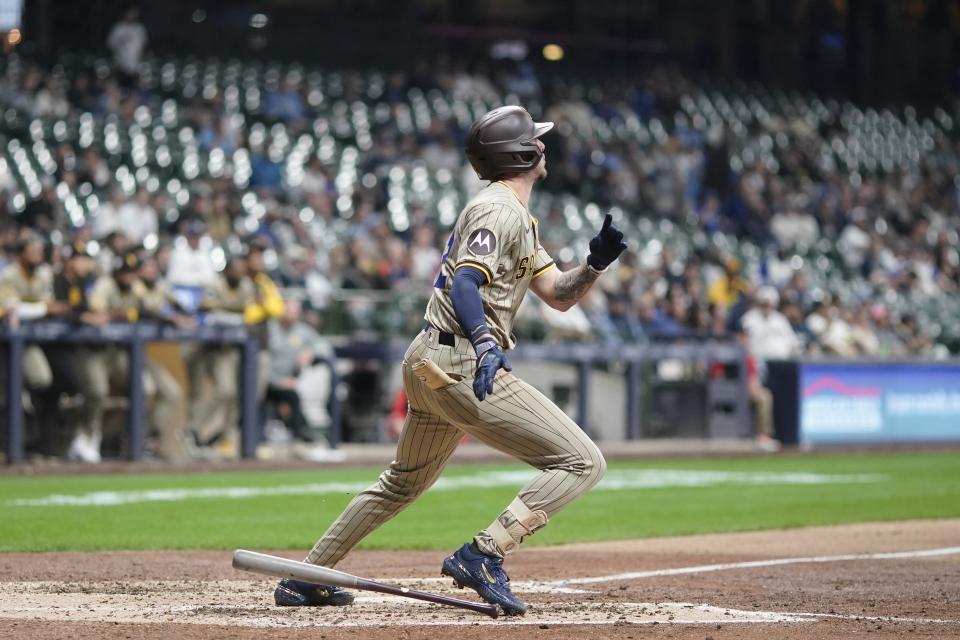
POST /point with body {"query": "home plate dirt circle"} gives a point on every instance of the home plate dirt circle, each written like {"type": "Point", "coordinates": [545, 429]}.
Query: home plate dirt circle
{"type": "Point", "coordinates": [242, 603]}
{"type": "Point", "coordinates": [892, 580]}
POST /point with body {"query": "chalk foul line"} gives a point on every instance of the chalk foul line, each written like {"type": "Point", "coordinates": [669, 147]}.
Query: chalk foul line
{"type": "Point", "coordinates": [726, 566]}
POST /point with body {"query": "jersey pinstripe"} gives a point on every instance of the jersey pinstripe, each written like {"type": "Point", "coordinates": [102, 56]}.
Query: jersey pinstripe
{"type": "Point", "coordinates": [497, 235]}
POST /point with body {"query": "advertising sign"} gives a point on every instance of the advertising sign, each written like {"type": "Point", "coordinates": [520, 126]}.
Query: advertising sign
{"type": "Point", "coordinates": [842, 402]}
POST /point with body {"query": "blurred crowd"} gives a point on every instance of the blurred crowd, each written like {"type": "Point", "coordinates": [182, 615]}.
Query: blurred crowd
{"type": "Point", "coordinates": [846, 251]}
{"type": "Point", "coordinates": [710, 300]}
{"type": "Point", "coordinates": [770, 182]}
{"type": "Point", "coordinates": [895, 234]}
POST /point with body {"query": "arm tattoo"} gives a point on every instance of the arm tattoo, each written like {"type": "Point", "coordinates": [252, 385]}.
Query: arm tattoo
{"type": "Point", "coordinates": [571, 285]}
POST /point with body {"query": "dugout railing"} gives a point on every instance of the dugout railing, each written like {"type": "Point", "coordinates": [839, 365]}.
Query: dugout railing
{"type": "Point", "coordinates": [631, 359]}
{"type": "Point", "coordinates": [134, 337]}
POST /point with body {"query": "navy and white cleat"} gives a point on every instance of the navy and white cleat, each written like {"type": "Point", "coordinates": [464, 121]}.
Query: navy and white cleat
{"type": "Point", "coordinates": [484, 574]}
{"type": "Point", "coordinates": [294, 593]}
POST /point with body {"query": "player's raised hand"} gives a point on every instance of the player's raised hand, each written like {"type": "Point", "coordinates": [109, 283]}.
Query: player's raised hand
{"type": "Point", "coordinates": [606, 246]}
{"type": "Point", "coordinates": [488, 363]}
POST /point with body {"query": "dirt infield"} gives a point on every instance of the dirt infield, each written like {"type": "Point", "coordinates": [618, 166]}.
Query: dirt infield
{"type": "Point", "coordinates": [891, 580]}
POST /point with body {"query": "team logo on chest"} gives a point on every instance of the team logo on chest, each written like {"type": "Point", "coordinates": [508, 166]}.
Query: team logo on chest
{"type": "Point", "coordinates": [482, 242]}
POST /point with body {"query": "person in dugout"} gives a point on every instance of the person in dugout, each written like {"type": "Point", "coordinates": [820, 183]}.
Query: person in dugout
{"type": "Point", "coordinates": [121, 297]}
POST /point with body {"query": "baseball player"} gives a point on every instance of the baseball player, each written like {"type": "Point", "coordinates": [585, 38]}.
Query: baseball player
{"type": "Point", "coordinates": [120, 296]}
{"type": "Point", "coordinates": [70, 290]}
{"type": "Point", "coordinates": [226, 300]}
{"type": "Point", "coordinates": [457, 377]}
{"type": "Point", "coordinates": [26, 292]}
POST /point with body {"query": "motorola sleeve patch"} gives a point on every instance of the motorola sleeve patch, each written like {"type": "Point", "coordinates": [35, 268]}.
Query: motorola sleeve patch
{"type": "Point", "coordinates": [482, 242]}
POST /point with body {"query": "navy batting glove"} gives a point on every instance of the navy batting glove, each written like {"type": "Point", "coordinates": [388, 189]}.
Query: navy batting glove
{"type": "Point", "coordinates": [489, 361]}
{"type": "Point", "coordinates": [606, 246]}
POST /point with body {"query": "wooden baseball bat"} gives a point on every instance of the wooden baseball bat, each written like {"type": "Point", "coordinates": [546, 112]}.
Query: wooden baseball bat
{"type": "Point", "coordinates": [284, 568]}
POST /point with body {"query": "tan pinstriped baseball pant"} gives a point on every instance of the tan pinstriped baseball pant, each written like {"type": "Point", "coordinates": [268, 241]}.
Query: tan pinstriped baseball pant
{"type": "Point", "coordinates": [517, 419]}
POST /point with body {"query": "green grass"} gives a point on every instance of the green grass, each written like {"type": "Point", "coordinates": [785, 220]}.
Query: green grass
{"type": "Point", "coordinates": [920, 485]}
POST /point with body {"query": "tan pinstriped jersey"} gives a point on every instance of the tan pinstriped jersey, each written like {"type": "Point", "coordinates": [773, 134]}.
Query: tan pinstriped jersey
{"type": "Point", "coordinates": [220, 296]}
{"type": "Point", "coordinates": [497, 235]}
{"type": "Point", "coordinates": [158, 297]}
{"type": "Point", "coordinates": [107, 296]}
{"type": "Point", "coordinates": [15, 284]}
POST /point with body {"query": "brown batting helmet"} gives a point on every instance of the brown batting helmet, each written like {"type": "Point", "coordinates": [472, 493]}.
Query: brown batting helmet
{"type": "Point", "coordinates": [502, 142]}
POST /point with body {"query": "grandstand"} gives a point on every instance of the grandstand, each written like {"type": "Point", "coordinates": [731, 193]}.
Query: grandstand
{"type": "Point", "coordinates": [351, 179]}
{"type": "Point", "coordinates": [815, 150]}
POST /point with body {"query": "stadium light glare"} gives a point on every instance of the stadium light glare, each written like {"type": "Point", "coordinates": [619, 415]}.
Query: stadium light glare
{"type": "Point", "coordinates": [553, 52]}
{"type": "Point", "coordinates": [509, 50]}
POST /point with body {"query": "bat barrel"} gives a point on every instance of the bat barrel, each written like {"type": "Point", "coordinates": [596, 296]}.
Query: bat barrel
{"type": "Point", "coordinates": [284, 568]}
